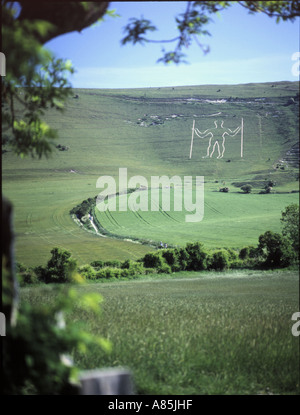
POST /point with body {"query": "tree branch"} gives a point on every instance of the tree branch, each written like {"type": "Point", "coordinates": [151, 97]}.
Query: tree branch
{"type": "Point", "coordinates": [64, 16]}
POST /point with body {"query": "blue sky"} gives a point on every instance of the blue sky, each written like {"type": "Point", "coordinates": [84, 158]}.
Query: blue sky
{"type": "Point", "coordinates": [244, 48]}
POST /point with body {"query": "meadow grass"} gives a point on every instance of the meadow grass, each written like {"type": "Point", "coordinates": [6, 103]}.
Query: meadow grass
{"type": "Point", "coordinates": [196, 333]}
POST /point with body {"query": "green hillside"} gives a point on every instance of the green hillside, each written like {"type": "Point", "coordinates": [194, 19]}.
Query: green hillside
{"type": "Point", "coordinates": [149, 132]}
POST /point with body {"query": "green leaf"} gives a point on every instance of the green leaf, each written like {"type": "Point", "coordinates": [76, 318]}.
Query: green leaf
{"type": "Point", "coordinates": [68, 65]}
{"type": "Point", "coordinates": [58, 103]}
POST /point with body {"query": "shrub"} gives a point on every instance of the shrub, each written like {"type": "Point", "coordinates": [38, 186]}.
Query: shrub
{"type": "Point", "coordinates": [28, 278]}
{"type": "Point", "coordinates": [40, 271]}
{"type": "Point", "coordinates": [232, 254]}
{"type": "Point", "coordinates": [233, 257]}
{"type": "Point", "coordinates": [244, 253]}
{"type": "Point", "coordinates": [26, 275]}
{"type": "Point", "coordinates": [60, 268]}
{"type": "Point", "coordinates": [275, 250]}
{"type": "Point", "coordinates": [113, 264]}
{"type": "Point", "coordinates": [237, 264]}
{"type": "Point", "coordinates": [171, 258]}
{"type": "Point", "coordinates": [152, 260]}
{"type": "Point", "coordinates": [253, 252]}
{"type": "Point", "coordinates": [133, 268]}
{"type": "Point", "coordinates": [247, 188]}
{"type": "Point", "coordinates": [87, 271]}
{"type": "Point", "coordinates": [183, 258]}
{"type": "Point", "coordinates": [97, 264]}
{"type": "Point", "coordinates": [248, 252]}
{"type": "Point", "coordinates": [164, 269]}
{"type": "Point", "coordinates": [84, 207]}
{"type": "Point", "coordinates": [197, 257]}
{"type": "Point", "coordinates": [219, 260]}
{"type": "Point", "coordinates": [268, 189]}
{"type": "Point", "coordinates": [125, 273]}
{"type": "Point", "coordinates": [110, 273]}
{"type": "Point", "coordinates": [126, 264]}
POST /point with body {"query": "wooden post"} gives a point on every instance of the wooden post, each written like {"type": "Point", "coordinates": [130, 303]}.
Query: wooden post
{"type": "Point", "coordinates": [191, 149]}
{"type": "Point", "coordinates": [112, 381]}
{"type": "Point", "coordinates": [242, 138]}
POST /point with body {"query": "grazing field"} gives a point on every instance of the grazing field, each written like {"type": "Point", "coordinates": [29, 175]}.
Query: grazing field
{"type": "Point", "coordinates": [196, 333]}
{"type": "Point", "coordinates": [149, 132]}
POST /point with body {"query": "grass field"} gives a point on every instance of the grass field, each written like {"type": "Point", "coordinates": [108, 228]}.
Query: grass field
{"type": "Point", "coordinates": [196, 333]}
{"type": "Point", "coordinates": [230, 219]}
{"type": "Point", "coordinates": [109, 129]}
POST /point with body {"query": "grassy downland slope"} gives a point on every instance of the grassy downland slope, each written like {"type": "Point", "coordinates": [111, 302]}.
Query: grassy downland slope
{"type": "Point", "coordinates": [149, 132]}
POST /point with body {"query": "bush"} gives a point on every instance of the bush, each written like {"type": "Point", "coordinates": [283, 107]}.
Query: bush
{"type": "Point", "coordinates": [253, 252]}
{"type": "Point", "coordinates": [84, 207]}
{"type": "Point", "coordinates": [87, 271]}
{"type": "Point", "coordinates": [248, 252]}
{"type": "Point", "coordinates": [97, 264]}
{"type": "Point", "coordinates": [152, 260]}
{"type": "Point", "coordinates": [26, 275]}
{"type": "Point", "coordinates": [233, 257]}
{"type": "Point", "coordinates": [60, 268]}
{"type": "Point", "coordinates": [183, 258]}
{"type": "Point", "coordinates": [28, 278]}
{"type": "Point", "coordinates": [232, 254]}
{"type": "Point", "coordinates": [268, 189]}
{"type": "Point", "coordinates": [133, 268]}
{"type": "Point", "coordinates": [275, 250]}
{"type": "Point", "coordinates": [271, 183]}
{"type": "Point", "coordinates": [197, 257]}
{"type": "Point", "coordinates": [110, 273]}
{"type": "Point", "coordinates": [126, 264]}
{"type": "Point", "coordinates": [247, 188]}
{"type": "Point", "coordinates": [113, 264]}
{"type": "Point", "coordinates": [244, 253]}
{"type": "Point", "coordinates": [238, 264]}
{"type": "Point", "coordinates": [219, 260]}
{"type": "Point", "coordinates": [40, 272]}
{"type": "Point", "coordinates": [125, 273]}
{"type": "Point", "coordinates": [164, 269]}
{"type": "Point", "coordinates": [171, 258]}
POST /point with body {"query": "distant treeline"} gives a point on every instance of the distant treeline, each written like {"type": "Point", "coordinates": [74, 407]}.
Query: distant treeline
{"type": "Point", "coordinates": [272, 251]}
{"type": "Point", "coordinates": [84, 207]}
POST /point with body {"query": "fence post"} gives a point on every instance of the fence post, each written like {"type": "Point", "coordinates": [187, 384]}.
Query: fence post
{"type": "Point", "coordinates": [111, 381]}
{"type": "Point", "coordinates": [2, 324]}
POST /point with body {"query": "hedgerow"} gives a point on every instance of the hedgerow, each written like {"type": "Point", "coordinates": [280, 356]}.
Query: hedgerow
{"type": "Point", "coordinates": [273, 250]}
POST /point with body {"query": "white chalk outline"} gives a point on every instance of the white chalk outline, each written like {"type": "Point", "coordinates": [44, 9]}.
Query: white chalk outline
{"type": "Point", "coordinates": [209, 132]}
